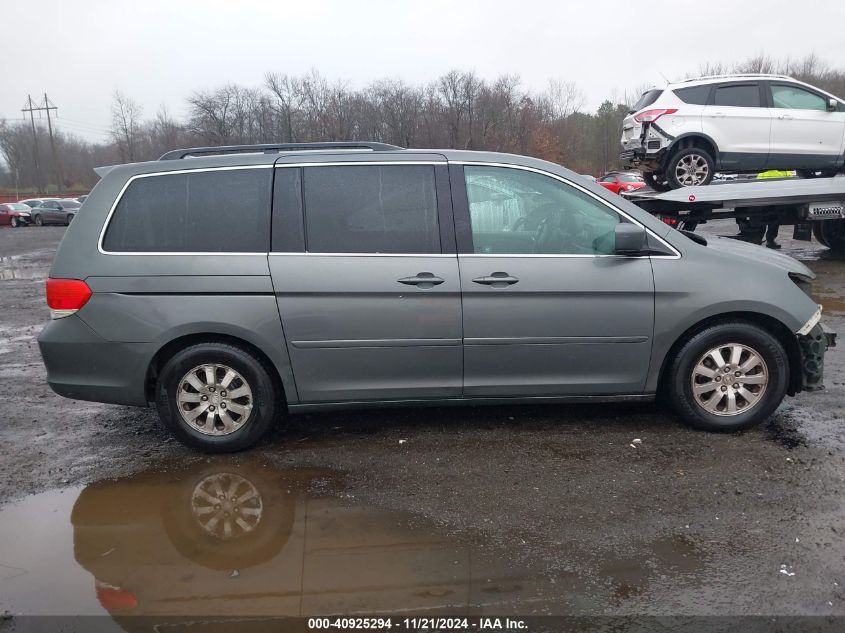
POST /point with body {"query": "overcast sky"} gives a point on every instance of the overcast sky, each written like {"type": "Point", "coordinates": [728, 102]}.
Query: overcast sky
{"type": "Point", "coordinates": [159, 51]}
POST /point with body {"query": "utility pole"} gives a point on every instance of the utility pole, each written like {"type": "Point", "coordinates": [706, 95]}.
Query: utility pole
{"type": "Point", "coordinates": [55, 162]}
{"type": "Point", "coordinates": [31, 111]}
{"type": "Point", "coordinates": [57, 172]}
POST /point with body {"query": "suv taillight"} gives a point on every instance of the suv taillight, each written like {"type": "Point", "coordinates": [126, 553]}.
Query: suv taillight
{"type": "Point", "coordinates": [66, 296]}
{"type": "Point", "coordinates": [650, 116]}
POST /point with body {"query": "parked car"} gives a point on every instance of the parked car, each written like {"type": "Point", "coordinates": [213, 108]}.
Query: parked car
{"type": "Point", "coordinates": [35, 202]}
{"type": "Point", "coordinates": [55, 212]}
{"type": "Point", "coordinates": [81, 199]}
{"type": "Point", "coordinates": [682, 134]}
{"type": "Point", "coordinates": [620, 181]}
{"type": "Point", "coordinates": [14, 214]}
{"type": "Point", "coordinates": [252, 281]}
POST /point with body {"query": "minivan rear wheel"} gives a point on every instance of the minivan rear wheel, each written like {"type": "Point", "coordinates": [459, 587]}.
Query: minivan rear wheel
{"type": "Point", "coordinates": [216, 397]}
{"type": "Point", "coordinates": [727, 377]}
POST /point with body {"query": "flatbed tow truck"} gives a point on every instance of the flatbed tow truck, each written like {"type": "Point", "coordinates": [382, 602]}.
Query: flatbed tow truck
{"type": "Point", "coordinates": [815, 206]}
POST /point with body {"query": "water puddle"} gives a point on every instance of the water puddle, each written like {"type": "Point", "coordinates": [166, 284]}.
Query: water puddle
{"type": "Point", "coordinates": [227, 538]}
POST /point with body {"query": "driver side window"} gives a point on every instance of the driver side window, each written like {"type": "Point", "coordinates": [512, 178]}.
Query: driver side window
{"type": "Point", "coordinates": [519, 212]}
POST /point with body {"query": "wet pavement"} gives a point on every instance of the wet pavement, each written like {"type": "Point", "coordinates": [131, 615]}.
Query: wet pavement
{"type": "Point", "coordinates": [523, 510]}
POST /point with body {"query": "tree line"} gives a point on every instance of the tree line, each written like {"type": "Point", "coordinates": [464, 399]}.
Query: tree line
{"type": "Point", "coordinates": [457, 110]}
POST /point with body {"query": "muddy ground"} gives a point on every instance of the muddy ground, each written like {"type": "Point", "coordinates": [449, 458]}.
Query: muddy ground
{"type": "Point", "coordinates": [555, 501]}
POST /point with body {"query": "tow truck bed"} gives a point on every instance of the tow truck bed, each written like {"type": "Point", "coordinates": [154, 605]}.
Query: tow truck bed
{"type": "Point", "coordinates": [789, 194]}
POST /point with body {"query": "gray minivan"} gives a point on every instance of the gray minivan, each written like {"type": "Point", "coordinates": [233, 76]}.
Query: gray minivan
{"type": "Point", "coordinates": [231, 285]}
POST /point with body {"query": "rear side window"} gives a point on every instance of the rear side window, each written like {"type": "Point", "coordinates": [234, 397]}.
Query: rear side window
{"type": "Point", "coordinates": [371, 209]}
{"type": "Point", "coordinates": [694, 95]}
{"type": "Point", "coordinates": [742, 96]}
{"type": "Point", "coordinates": [646, 100]}
{"type": "Point", "coordinates": [217, 211]}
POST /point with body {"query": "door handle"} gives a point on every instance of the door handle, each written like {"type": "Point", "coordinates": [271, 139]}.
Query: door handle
{"type": "Point", "coordinates": [785, 116]}
{"type": "Point", "coordinates": [719, 114]}
{"type": "Point", "coordinates": [421, 280]}
{"type": "Point", "coordinates": [497, 280]}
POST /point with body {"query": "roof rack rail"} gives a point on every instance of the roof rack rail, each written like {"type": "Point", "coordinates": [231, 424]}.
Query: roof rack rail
{"type": "Point", "coordinates": [736, 75]}
{"type": "Point", "coordinates": [275, 148]}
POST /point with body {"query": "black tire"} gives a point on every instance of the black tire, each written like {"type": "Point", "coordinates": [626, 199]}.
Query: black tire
{"type": "Point", "coordinates": [831, 233]}
{"type": "Point", "coordinates": [255, 373]}
{"type": "Point", "coordinates": [680, 376]}
{"type": "Point", "coordinates": [69, 219]}
{"type": "Point", "coordinates": [817, 233]}
{"type": "Point", "coordinates": [656, 181]}
{"type": "Point", "coordinates": [13, 222]}
{"type": "Point", "coordinates": [38, 221]}
{"type": "Point", "coordinates": [674, 167]}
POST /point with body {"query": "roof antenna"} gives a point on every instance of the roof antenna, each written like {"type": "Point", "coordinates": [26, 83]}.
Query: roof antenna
{"type": "Point", "coordinates": [664, 77]}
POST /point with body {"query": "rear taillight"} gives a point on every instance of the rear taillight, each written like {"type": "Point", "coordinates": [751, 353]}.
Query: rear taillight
{"type": "Point", "coordinates": [66, 296]}
{"type": "Point", "coordinates": [650, 116]}
{"type": "Point", "coordinates": [669, 220]}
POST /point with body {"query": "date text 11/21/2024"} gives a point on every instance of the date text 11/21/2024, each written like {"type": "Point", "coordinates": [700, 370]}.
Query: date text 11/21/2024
{"type": "Point", "coordinates": [418, 624]}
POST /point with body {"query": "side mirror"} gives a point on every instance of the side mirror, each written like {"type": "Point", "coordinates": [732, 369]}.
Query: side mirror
{"type": "Point", "coordinates": [832, 105]}
{"type": "Point", "coordinates": [630, 239]}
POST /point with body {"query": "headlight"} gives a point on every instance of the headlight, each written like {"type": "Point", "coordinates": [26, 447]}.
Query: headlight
{"type": "Point", "coordinates": [811, 322]}
{"type": "Point", "coordinates": [23, 214]}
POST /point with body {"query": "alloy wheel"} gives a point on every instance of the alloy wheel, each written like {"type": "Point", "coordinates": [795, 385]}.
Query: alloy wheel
{"type": "Point", "coordinates": [226, 505]}
{"type": "Point", "coordinates": [692, 170]}
{"type": "Point", "coordinates": [729, 379]}
{"type": "Point", "coordinates": [214, 399]}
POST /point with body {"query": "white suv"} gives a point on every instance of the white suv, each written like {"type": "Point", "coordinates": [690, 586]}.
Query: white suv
{"type": "Point", "coordinates": [682, 134]}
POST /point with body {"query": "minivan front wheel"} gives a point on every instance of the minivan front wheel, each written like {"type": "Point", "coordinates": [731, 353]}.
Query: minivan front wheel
{"type": "Point", "coordinates": [216, 397]}
{"type": "Point", "coordinates": [690, 167]}
{"type": "Point", "coordinates": [728, 377]}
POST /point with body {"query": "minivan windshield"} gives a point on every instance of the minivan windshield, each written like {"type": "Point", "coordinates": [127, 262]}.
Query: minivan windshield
{"type": "Point", "coordinates": [645, 100]}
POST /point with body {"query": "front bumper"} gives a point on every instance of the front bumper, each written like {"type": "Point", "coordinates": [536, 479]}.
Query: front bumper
{"type": "Point", "coordinates": [812, 346]}
{"type": "Point", "coordinates": [24, 219]}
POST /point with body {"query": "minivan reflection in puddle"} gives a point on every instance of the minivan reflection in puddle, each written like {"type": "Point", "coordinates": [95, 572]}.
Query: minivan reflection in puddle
{"type": "Point", "coordinates": [220, 539]}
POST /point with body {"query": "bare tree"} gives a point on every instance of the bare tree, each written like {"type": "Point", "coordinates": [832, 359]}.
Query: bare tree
{"type": "Point", "coordinates": [125, 126]}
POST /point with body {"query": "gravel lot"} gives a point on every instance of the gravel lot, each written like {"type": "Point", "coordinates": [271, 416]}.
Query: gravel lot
{"type": "Point", "coordinates": [684, 522]}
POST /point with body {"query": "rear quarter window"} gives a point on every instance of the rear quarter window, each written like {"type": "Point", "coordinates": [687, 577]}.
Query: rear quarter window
{"type": "Point", "coordinates": [646, 99]}
{"type": "Point", "coordinates": [694, 95]}
{"type": "Point", "coordinates": [216, 211]}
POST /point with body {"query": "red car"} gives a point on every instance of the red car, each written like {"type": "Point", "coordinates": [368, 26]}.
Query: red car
{"type": "Point", "coordinates": [15, 214]}
{"type": "Point", "coordinates": [617, 181]}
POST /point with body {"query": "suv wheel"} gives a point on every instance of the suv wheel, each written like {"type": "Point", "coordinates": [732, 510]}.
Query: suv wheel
{"type": "Point", "coordinates": [656, 181]}
{"type": "Point", "coordinates": [830, 233]}
{"type": "Point", "coordinates": [727, 377]}
{"type": "Point", "coordinates": [819, 235]}
{"type": "Point", "coordinates": [690, 167]}
{"type": "Point", "coordinates": [216, 397]}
